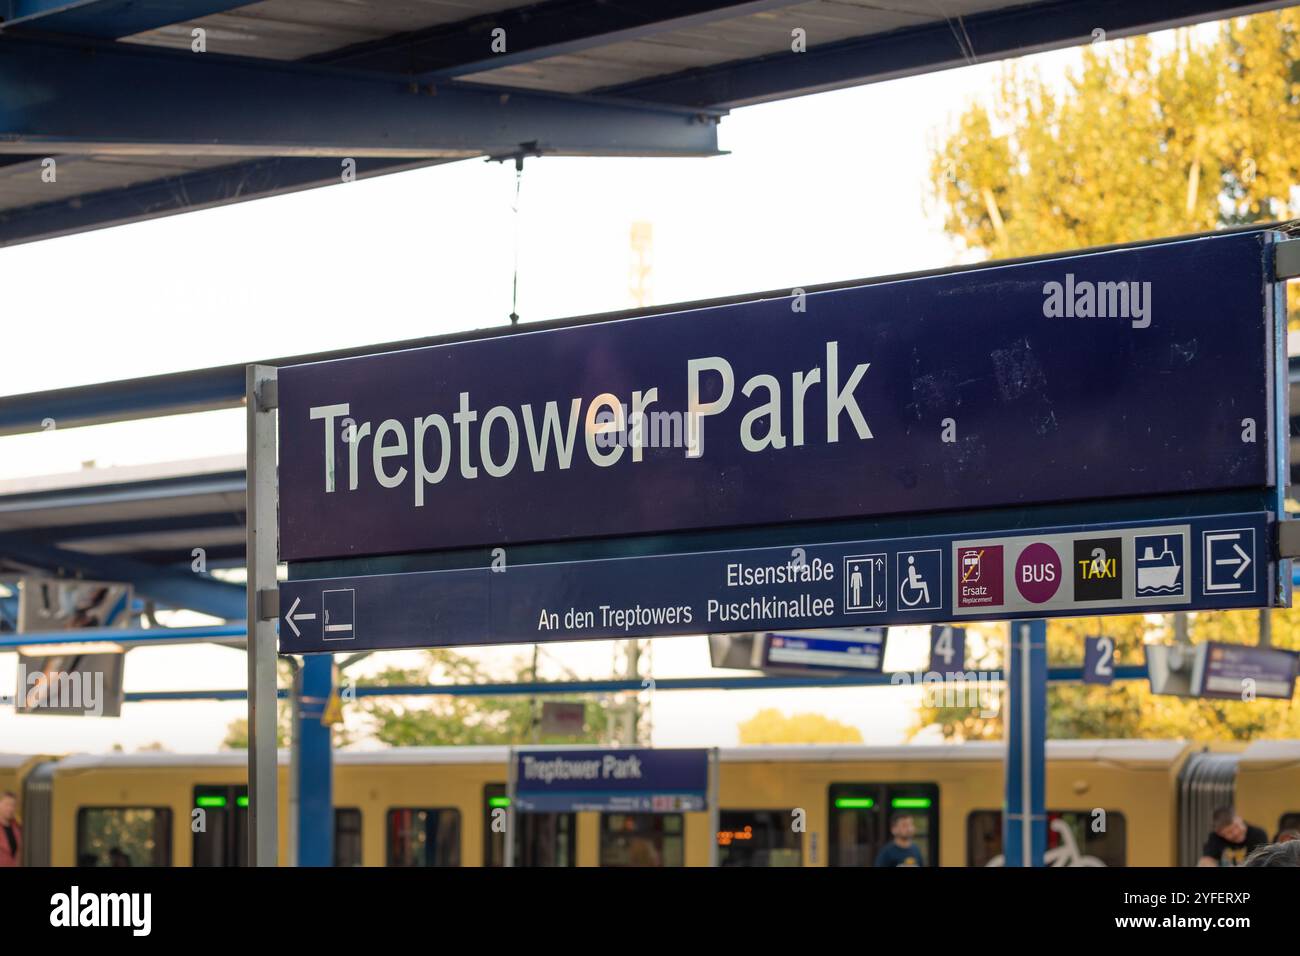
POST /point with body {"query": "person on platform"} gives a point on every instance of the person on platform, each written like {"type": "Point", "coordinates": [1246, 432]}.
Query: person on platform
{"type": "Point", "coordinates": [900, 851]}
{"type": "Point", "coordinates": [1232, 839]}
{"type": "Point", "coordinates": [11, 831]}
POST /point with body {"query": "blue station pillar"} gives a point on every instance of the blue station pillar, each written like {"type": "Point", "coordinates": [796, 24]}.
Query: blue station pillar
{"type": "Point", "coordinates": [315, 763]}
{"type": "Point", "coordinates": [1024, 822]}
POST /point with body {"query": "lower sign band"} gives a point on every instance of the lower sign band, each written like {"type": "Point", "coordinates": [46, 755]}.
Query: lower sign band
{"type": "Point", "coordinates": [1202, 563]}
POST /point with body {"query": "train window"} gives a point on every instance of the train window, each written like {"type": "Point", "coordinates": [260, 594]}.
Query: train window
{"type": "Point", "coordinates": [124, 836]}
{"type": "Point", "coordinates": [641, 839]}
{"type": "Point", "coordinates": [221, 815]}
{"type": "Point", "coordinates": [860, 815]}
{"type": "Point", "coordinates": [1071, 839]}
{"type": "Point", "coordinates": [423, 837]}
{"type": "Point", "coordinates": [1288, 821]}
{"type": "Point", "coordinates": [758, 838]}
{"type": "Point", "coordinates": [347, 836]}
{"type": "Point", "coordinates": [542, 839]}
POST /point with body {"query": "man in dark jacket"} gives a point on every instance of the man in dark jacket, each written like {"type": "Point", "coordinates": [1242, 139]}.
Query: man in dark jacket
{"type": "Point", "coordinates": [1231, 841]}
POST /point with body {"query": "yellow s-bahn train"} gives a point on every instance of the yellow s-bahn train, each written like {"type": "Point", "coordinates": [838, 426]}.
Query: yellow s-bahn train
{"type": "Point", "coordinates": [1110, 803]}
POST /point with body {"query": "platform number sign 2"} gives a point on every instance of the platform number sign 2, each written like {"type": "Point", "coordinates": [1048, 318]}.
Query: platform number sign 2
{"type": "Point", "coordinates": [1098, 659]}
{"type": "Point", "coordinates": [947, 649]}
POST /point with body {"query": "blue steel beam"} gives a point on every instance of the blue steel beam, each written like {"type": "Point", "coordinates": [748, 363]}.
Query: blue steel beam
{"type": "Point", "coordinates": [129, 399]}
{"type": "Point", "coordinates": [120, 99]}
{"type": "Point", "coordinates": [169, 587]}
{"type": "Point", "coordinates": [108, 19]}
{"type": "Point", "coordinates": [951, 42]}
{"type": "Point", "coordinates": [534, 32]}
{"type": "Point", "coordinates": [235, 633]}
{"type": "Point", "coordinates": [1063, 675]}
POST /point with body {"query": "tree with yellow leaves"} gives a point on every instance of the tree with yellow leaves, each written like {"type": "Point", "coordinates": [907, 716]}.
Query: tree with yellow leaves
{"type": "Point", "coordinates": [1137, 143]}
{"type": "Point", "coordinates": [770, 726]}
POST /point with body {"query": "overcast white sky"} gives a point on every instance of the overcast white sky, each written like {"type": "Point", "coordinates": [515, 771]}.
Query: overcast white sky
{"type": "Point", "coordinates": [816, 189]}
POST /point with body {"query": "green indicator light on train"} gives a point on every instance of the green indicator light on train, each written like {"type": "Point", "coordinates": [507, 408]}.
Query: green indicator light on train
{"type": "Point", "coordinates": [241, 801]}
{"type": "Point", "coordinates": [498, 801]}
{"type": "Point", "coordinates": [855, 803]}
{"type": "Point", "coordinates": [209, 801]}
{"type": "Point", "coordinates": [910, 803]}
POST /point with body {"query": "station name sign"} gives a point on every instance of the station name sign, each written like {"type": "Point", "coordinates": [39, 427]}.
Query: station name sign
{"type": "Point", "coordinates": [628, 780]}
{"type": "Point", "coordinates": [972, 389]}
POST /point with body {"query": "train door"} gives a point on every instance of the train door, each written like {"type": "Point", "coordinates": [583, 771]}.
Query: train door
{"type": "Point", "coordinates": [541, 839]}
{"type": "Point", "coordinates": [222, 836]}
{"type": "Point", "coordinates": [219, 822]}
{"type": "Point", "coordinates": [860, 815]}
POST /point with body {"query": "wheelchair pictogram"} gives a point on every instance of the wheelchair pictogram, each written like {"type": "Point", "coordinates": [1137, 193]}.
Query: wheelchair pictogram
{"type": "Point", "coordinates": [920, 581]}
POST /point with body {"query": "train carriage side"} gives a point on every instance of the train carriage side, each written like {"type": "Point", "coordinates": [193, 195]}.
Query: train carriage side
{"type": "Point", "coordinates": [1109, 803]}
{"type": "Point", "coordinates": [418, 806]}
{"type": "Point", "coordinates": [842, 798]}
{"type": "Point", "coordinates": [1134, 785]}
{"type": "Point", "coordinates": [780, 806]}
{"type": "Point", "coordinates": [153, 809]}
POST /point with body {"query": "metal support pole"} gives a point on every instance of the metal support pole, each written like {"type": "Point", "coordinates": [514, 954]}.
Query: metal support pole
{"type": "Point", "coordinates": [314, 764]}
{"type": "Point", "coordinates": [263, 809]}
{"type": "Point", "coordinates": [511, 780]}
{"type": "Point", "coordinates": [715, 811]}
{"type": "Point", "coordinates": [1024, 822]}
{"type": "Point", "coordinates": [1265, 627]}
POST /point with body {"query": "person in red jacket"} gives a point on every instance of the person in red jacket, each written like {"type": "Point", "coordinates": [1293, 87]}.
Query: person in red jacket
{"type": "Point", "coordinates": [11, 831]}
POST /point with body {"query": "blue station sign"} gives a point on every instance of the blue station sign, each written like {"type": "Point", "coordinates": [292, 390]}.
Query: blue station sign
{"type": "Point", "coordinates": [1134, 372]}
{"type": "Point", "coordinates": [1024, 574]}
{"type": "Point", "coordinates": [624, 780]}
{"type": "Point", "coordinates": [1075, 436]}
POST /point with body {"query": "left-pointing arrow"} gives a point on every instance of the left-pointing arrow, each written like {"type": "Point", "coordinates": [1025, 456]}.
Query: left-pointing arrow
{"type": "Point", "coordinates": [290, 617]}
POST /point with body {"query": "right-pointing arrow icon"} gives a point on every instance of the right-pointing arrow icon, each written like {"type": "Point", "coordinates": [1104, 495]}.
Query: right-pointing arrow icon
{"type": "Point", "coordinates": [1228, 556]}
{"type": "Point", "coordinates": [290, 617]}
{"type": "Point", "coordinates": [1245, 560]}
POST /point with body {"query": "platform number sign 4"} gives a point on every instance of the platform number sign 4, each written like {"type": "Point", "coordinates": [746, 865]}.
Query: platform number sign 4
{"type": "Point", "coordinates": [1098, 659]}
{"type": "Point", "coordinates": [947, 649]}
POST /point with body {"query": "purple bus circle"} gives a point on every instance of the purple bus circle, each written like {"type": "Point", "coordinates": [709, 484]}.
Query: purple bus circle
{"type": "Point", "coordinates": [1038, 573]}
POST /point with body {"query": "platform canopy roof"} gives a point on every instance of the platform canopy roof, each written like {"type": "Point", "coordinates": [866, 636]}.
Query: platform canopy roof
{"type": "Point", "coordinates": [139, 125]}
